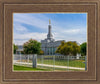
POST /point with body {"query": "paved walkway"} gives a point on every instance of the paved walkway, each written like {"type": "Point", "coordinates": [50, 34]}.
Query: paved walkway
{"type": "Point", "coordinates": [47, 65]}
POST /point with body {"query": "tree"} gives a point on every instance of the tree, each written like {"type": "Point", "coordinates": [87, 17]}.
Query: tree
{"type": "Point", "coordinates": [15, 48]}
{"type": "Point", "coordinates": [68, 48]}
{"type": "Point", "coordinates": [83, 48]}
{"type": "Point", "coordinates": [32, 47]}
{"type": "Point", "coordinates": [59, 47]}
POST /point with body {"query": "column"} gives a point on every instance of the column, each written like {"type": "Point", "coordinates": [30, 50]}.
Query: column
{"type": "Point", "coordinates": [52, 50]}
{"type": "Point", "coordinates": [49, 50]}
{"type": "Point", "coordinates": [45, 50]}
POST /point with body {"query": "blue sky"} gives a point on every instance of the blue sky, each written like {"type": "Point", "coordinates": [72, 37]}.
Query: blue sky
{"type": "Point", "coordinates": [65, 26]}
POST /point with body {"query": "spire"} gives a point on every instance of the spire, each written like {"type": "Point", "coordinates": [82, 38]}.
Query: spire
{"type": "Point", "coordinates": [49, 21]}
{"type": "Point", "coordinates": [49, 30]}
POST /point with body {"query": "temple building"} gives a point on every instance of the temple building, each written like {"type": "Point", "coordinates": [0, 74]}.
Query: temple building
{"type": "Point", "coordinates": [49, 45]}
{"type": "Point", "coordinates": [20, 49]}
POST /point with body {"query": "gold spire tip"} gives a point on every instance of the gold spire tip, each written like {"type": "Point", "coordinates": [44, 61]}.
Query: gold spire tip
{"type": "Point", "coordinates": [49, 21]}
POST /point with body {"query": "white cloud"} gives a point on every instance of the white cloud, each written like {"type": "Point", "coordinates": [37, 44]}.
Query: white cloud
{"type": "Point", "coordinates": [22, 38]}
{"type": "Point", "coordinates": [35, 35]}
{"type": "Point", "coordinates": [80, 39]}
{"type": "Point", "coordinates": [20, 28]}
{"type": "Point", "coordinates": [31, 20]}
{"type": "Point", "coordinates": [72, 31]}
{"type": "Point", "coordinates": [22, 34]}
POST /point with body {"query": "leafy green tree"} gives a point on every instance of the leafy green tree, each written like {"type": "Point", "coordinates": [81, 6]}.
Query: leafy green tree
{"type": "Point", "coordinates": [83, 48]}
{"type": "Point", "coordinates": [15, 47]}
{"type": "Point", "coordinates": [60, 46]}
{"type": "Point", "coordinates": [68, 48]}
{"type": "Point", "coordinates": [32, 47]}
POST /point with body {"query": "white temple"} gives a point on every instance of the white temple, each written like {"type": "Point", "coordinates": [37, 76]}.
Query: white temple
{"type": "Point", "coordinates": [49, 45]}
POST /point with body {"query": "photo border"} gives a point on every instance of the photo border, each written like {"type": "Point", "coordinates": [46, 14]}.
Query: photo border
{"type": "Point", "coordinates": [51, 13]}
{"type": "Point", "coordinates": [4, 41]}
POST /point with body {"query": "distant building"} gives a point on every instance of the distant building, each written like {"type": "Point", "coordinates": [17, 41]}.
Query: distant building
{"type": "Point", "coordinates": [49, 45]}
{"type": "Point", "coordinates": [20, 49]}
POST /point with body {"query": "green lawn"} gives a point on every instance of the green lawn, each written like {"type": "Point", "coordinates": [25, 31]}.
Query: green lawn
{"type": "Point", "coordinates": [60, 62]}
{"type": "Point", "coordinates": [72, 63]}
{"type": "Point", "coordinates": [23, 68]}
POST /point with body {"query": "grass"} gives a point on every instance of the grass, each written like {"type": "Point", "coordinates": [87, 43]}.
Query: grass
{"type": "Point", "coordinates": [23, 68]}
{"type": "Point", "coordinates": [60, 61]}
{"type": "Point", "coordinates": [71, 63]}
{"type": "Point", "coordinates": [60, 69]}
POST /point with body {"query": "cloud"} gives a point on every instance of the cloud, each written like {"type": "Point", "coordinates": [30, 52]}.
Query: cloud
{"type": "Point", "coordinates": [30, 20]}
{"type": "Point", "coordinates": [22, 38]}
{"type": "Point", "coordinates": [72, 31]}
{"type": "Point", "coordinates": [35, 35]}
{"type": "Point", "coordinates": [19, 28]}
{"type": "Point", "coordinates": [23, 33]}
{"type": "Point", "coordinates": [80, 38]}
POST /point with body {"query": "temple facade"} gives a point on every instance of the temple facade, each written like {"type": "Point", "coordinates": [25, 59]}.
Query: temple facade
{"type": "Point", "coordinates": [20, 49]}
{"type": "Point", "coordinates": [49, 45]}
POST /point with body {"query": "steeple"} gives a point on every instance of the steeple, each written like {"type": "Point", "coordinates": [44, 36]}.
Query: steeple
{"type": "Point", "coordinates": [49, 21]}
{"type": "Point", "coordinates": [49, 36]}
